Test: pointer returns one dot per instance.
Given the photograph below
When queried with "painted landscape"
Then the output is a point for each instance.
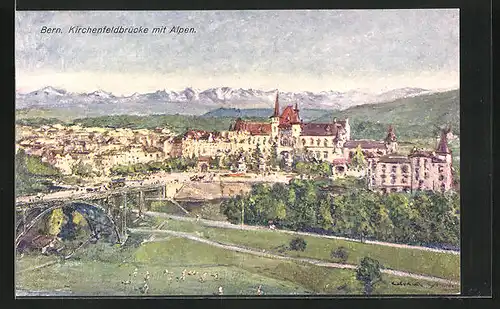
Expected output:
(282, 162)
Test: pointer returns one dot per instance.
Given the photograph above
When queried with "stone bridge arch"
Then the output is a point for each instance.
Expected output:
(99, 222)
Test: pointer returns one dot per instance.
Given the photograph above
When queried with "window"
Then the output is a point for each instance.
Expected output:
(404, 180)
(373, 181)
(312, 141)
(426, 175)
(420, 183)
(303, 141)
(318, 142)
(404, 168)
(393, 180)
(325, 154)
(441, 177)
(325, 143)
(443, 187)
(394, 190)
(406, 190)
(383, 176)
(440, 169)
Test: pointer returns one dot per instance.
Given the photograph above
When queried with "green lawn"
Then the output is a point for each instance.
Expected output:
(100, 271)
(441, 265)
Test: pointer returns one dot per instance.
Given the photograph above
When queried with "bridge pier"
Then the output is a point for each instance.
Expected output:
(124, 218)
(141, 202)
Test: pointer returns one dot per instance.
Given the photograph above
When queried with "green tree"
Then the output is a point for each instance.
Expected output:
(257, 157)
(358, 160)
(298, 244)
(274, 160)
(81, 169)
(215, 163)
(325, 219)
(368, 273)
(402, 216)
(340, 254)
(55, 222)
(324, 169)
(279, 211)
(35, 166)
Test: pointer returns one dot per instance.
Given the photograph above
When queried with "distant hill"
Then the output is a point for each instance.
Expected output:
(197, 102)
(413, 117)
(306, 114)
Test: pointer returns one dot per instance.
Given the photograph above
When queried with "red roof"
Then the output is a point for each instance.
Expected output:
(289, 116)
(320, 129)
(254, 128)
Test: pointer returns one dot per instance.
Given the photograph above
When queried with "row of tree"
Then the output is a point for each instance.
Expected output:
(419, 218)
(32, 175)
(168, 165)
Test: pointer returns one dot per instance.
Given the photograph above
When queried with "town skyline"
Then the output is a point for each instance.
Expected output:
(287, 50)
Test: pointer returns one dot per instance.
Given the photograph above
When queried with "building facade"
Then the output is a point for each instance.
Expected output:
(419, 171)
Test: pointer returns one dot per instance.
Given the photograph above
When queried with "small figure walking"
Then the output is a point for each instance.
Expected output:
(259, 290)
(145, 288)
(197, 217)
(221, 291)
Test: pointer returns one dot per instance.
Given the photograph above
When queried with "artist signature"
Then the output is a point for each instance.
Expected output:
(429, 285)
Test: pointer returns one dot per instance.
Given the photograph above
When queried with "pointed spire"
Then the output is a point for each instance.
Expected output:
(277, 105)
(296, 107)
(443, 142)
(391, 136)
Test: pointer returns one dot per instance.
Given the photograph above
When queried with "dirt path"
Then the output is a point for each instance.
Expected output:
(275, 256)
(223, 224)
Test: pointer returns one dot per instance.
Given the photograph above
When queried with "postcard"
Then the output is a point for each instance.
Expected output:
(250, 153)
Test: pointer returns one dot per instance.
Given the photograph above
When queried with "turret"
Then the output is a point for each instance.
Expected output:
(391, 140)
(275, 118)
(296, 122)
(442, 149)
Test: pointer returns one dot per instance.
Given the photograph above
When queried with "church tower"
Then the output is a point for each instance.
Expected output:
(296, 123)
(443, 150)
(391, 140)
(275, 118)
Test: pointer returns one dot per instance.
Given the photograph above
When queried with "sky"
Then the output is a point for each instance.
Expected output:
(339, 50)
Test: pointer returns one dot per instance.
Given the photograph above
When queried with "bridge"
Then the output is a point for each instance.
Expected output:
(107, 213)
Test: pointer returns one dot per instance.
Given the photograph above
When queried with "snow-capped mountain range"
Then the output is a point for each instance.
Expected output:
(194, 101)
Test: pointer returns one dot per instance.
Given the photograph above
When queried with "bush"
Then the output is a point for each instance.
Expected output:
(340, 254)
(298, 244)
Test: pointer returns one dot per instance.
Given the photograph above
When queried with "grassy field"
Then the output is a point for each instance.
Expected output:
(441, 265)
(102, 268)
